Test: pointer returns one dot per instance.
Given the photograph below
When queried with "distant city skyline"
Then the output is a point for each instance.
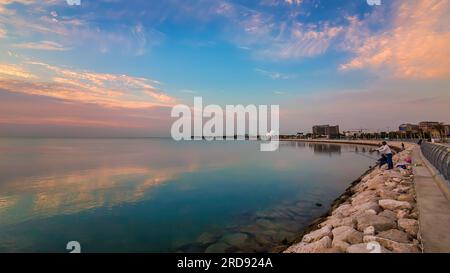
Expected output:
(116, 68)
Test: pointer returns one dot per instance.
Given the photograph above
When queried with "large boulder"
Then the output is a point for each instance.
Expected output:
(395, 235)
(317, 234)
(343, 210)
(361, 208)
(364, 197)
(394, 204)
(341, 245)
(315, 247)
(344, 236)
(388, 214)
(380, 223)
(387, 194)
(410, 226)
(402, 214)
(338, 222)
(367, 248)
(347, 234)
(393, 245)
(406, 197)
(375, 183)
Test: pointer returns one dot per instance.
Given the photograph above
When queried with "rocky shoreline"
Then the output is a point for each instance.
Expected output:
(377, 213)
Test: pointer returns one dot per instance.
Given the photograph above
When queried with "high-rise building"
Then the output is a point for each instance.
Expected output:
(326, 130)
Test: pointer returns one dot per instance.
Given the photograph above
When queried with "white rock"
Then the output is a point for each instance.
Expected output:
(315, 247)
(369, 230)
(371, 211)
(392, 245)
(402, 214)
(394, 204)
(367, 248)
(317, 235)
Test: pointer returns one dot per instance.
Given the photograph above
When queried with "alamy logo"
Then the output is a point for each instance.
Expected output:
(73, 2)
(374, 2)
(188, 126)
(74, 247)
(373, 247)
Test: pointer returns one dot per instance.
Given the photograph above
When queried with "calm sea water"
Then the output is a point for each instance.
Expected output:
(157, 195)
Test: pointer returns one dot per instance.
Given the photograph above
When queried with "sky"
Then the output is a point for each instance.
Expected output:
(116, 67)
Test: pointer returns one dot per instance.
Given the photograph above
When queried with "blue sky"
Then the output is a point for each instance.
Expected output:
(323, 61)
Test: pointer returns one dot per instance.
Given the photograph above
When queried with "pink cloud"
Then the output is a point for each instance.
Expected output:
(3, 31)
(15, 71)
(108, 90)
(416, 46)
(43, 45)
(28, 114)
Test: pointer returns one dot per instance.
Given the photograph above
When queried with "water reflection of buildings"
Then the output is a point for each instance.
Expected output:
(318, 148)
(327, 149)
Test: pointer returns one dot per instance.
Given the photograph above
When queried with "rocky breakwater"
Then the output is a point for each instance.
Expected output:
(378, 214)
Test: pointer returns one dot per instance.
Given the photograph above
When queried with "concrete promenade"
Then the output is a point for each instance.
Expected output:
(433, 205)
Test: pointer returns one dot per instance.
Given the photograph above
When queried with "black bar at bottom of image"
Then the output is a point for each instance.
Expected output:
(215, 262)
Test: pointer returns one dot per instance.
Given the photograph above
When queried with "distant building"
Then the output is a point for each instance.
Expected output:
(408, 127)
(428, 126)
(447, 130)
(326, 131)
(433, 129)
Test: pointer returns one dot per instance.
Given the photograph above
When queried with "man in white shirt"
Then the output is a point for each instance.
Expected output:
(385, 150)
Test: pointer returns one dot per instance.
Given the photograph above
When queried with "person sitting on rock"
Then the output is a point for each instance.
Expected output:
(385, 150)
(381, 161)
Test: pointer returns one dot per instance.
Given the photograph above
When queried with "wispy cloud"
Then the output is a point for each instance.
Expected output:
(188, 91)
(15, 71)
(300, 41)
(416, 46)
(275, 75)
(109, 90)
(4, 3)
(3, 31)
(72, 31)
(43, 45)
(270, 37)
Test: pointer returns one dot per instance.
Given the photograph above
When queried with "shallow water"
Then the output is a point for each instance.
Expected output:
(157, 195)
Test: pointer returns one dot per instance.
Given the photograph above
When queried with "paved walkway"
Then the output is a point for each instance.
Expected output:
(433, 205)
